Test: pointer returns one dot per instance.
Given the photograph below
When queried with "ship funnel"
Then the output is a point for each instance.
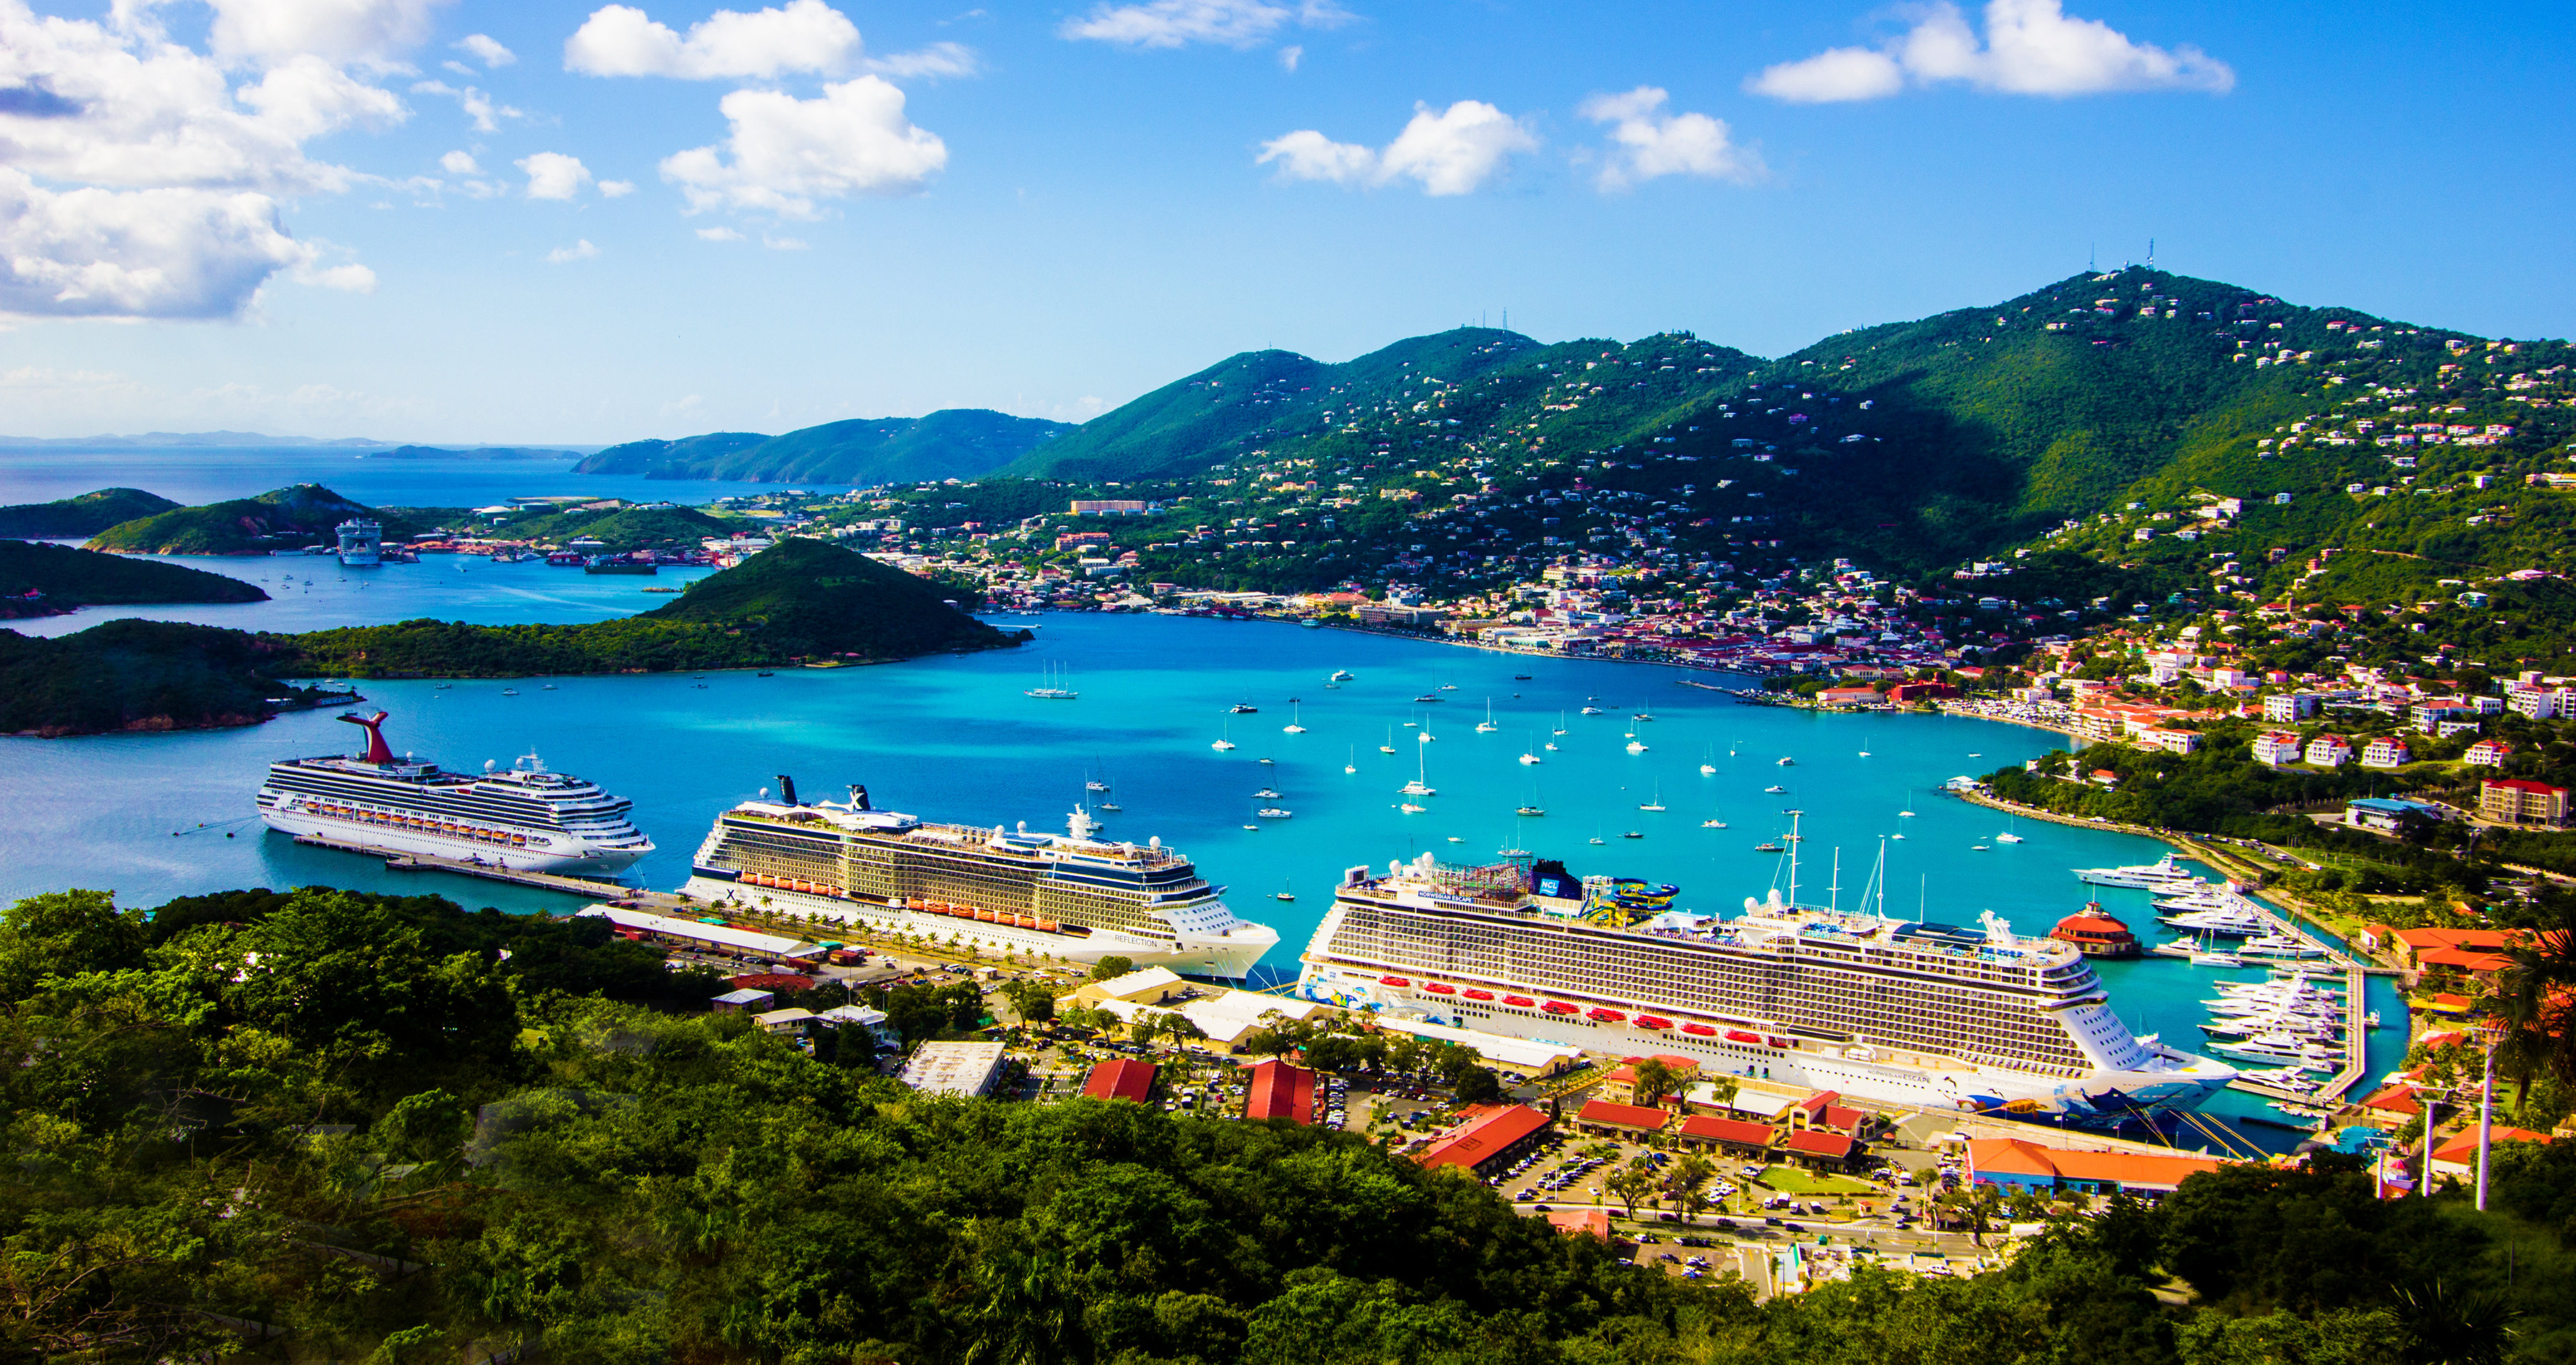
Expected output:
(374, 726)
(858, 797)
(787, 788)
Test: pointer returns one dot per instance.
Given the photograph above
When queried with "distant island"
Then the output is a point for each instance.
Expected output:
(85, 515)
(801, 602)
(470, 453)
(955, 443)
(219, 440)
(50, 580)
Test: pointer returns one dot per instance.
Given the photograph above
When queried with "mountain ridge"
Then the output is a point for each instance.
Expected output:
(950, 443)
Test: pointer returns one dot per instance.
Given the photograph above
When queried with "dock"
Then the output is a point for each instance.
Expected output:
(586, 887)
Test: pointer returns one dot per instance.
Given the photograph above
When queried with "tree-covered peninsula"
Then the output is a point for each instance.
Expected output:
(48, 580)
(85, 515)
(280, 519)
(802, 602)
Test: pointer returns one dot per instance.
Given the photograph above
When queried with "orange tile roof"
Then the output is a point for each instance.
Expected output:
(2135, 1170)
(1279, 1090)
(1593, 1221)
(2395, 1099)
(2465, 1146)
(1616, 1115)
(1815, 1142)
(1484, 1134)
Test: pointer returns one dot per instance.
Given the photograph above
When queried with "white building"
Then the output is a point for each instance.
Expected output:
(2276, 747)
(940, 1068)
(2289, 708)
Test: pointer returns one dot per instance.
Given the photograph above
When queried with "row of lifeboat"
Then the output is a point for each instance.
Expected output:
(793, 884)
(421, 825)
(1652, 1023)
(983, 916)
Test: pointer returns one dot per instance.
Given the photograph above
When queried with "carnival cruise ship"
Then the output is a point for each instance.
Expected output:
(1893, 1011)
(524, 816)
(1074, 896)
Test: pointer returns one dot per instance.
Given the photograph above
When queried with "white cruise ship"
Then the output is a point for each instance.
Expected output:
(1891, 1011)
(1074, 895)
(361, 543)
(522, 817)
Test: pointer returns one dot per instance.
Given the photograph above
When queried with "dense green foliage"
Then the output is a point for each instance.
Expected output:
(140, 675)
(282, 518)
(350, 1126)
(952, 443)
(800, 600)
(623, 529)
(84, 515)
(86, 578)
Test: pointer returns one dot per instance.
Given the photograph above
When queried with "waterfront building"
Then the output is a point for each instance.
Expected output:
(2011, 1164)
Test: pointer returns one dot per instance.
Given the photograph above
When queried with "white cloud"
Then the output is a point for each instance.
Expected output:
(144, 177)
(1647, 142)
(477, 105)
(782, 243)
(167, 253)
(805, 35)
(553, 175)
(1451, 152)
(2031, 47)
(616, 189)
(581, 250)
(1290, 56)
(1178, 23)
(459, 163)
(784, 153)
(366, 32)
(354, 279)
(718, 234)
(488, 51)
(933, 62)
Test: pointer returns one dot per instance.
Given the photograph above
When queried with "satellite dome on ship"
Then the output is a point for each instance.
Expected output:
(2096, 932)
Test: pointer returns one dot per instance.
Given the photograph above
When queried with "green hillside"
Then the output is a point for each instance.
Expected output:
(281, 519)
(954, 443)
(140, 675)
(85, 515)
(623, 529)
(801, 601)
(86, 578)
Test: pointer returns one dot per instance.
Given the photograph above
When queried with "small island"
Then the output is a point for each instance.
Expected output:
(802, 602)
(85, 515)
(288, 518)
(51, 580)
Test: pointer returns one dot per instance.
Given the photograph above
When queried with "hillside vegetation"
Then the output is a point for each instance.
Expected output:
(84, 578)
(952, 443)
(142, 675)
(85, 515)
(280, 519)
(623, 529)
(411, 1134)
(802, 600)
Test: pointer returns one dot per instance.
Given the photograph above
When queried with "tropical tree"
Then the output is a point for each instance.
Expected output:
(1632, 1182)
(2533, 1002)
(1654, 1080)
(1112, 965)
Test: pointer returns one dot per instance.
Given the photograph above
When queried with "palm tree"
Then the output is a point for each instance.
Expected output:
(2533, 1003)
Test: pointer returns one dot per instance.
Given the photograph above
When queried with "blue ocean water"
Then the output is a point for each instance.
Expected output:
(956, 739)
(196, 475)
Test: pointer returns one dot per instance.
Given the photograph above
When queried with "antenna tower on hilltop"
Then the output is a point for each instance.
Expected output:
(2151, 253)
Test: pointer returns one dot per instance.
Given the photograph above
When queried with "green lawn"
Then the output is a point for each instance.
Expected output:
(1791, 1180)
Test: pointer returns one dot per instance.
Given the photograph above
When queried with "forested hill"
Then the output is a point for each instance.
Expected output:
(280, 519)
(1912, 445)
(958, 443)
(85, 515)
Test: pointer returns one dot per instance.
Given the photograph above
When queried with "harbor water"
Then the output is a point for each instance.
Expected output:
(957, 738)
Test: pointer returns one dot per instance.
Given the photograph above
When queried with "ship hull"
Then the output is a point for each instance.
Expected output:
(1229, 957)
(572, 857)
(2102, 1098)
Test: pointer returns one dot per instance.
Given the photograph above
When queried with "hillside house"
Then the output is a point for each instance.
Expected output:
(2520, 801)
(2276, 747)
(2329, 751)
(2387, 751)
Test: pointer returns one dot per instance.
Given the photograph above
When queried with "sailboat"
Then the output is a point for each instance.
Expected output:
(1421, 783)
(1530, 756)
(1293, 727)
(1658, 803)
(1635, 745)
(1909, 800)
(1560, 726)
(1488, 726)
(1051, 685)
(1426, 736)
(1708, 761)
(1389, 746)
(1285, 892)
(2008, 837)
(1351, 764)
(1712, 823)
(1224, 742)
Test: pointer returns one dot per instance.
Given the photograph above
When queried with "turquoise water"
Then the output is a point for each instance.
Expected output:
(196, 476)
(956, 739)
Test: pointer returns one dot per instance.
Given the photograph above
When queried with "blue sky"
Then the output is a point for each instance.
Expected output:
(528, 222)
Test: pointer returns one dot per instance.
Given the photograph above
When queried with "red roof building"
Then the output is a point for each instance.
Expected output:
(785, 983)
(1816, 1147)
(2396, 1099)
(2013, 1163)
(1741, 1136)
(1617, 1119)
(2096, 932)
(2459, 1155)
(1582, 1222)
(1124, 1078)
(1820, 1110)
(1489, 1138)
(1280, 1090)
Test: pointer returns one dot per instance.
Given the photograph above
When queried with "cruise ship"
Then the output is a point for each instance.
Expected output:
(1886, 1010)
(523, 817)
(361, 543)
(1074, 896)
